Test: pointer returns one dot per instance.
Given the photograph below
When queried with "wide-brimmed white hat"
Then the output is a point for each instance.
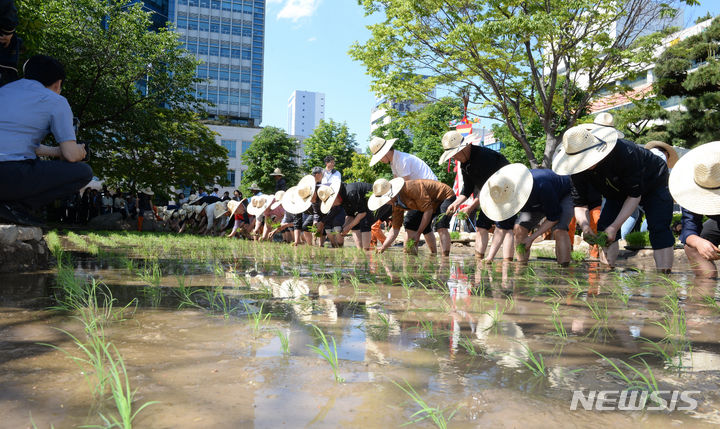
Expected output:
(672, 153)
(232, 206)
(582, 148)
(299, 198)
(182, 214)
(379, 147)
(695, 180)
(220, 209)
(199, 209)
(506, 192)
(604, 119)
(148, 191)
(278, 200)
(327, 195)
(259, 204)
(277, 172)
(383, 191)
(254, 187)
(452, 143)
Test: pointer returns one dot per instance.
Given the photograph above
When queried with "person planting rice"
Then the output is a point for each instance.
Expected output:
(285, 223)
(535, 195)
(695, 185)
(405, 165)
(298, 201)
(237, 211)
(627, 175)
(260, 208)
(428, 196)
(353, 198)
(477, 164)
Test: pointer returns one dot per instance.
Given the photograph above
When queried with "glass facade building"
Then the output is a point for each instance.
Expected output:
(228, 36)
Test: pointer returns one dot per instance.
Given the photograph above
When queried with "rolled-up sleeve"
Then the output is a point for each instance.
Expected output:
(691, 224)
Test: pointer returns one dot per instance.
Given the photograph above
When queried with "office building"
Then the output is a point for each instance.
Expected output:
(228, 37)
(379, 114)
(236, 140)
(305, 110)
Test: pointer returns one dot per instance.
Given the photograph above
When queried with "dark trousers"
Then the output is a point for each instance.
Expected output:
(35, 183)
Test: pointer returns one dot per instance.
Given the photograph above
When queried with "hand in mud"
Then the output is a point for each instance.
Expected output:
(707, 250)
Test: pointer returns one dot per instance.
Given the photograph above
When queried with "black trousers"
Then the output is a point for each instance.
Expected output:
(35, 183)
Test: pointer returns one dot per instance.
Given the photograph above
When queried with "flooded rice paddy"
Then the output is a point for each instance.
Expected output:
(217, 333)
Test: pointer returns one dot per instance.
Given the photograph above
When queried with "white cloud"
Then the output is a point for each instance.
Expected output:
(312, 39)
(296, 9)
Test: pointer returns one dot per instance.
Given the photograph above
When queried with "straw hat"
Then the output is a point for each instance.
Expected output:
(182, 214)
(259, 204)
(199, 209)
(672, 153)
(452, 143)
(383, 191)
(277, 172)
(254, 187)
(582, 148)
(604, 119)
(299, 198)
(232, 206)
(695, 180)
(220, 209)
(379, 147)
(148, 191)
(506, 192)
(327, 195)
(278, 200)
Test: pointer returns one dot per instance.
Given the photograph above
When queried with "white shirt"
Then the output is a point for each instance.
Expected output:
(410, 167)
(330, 177)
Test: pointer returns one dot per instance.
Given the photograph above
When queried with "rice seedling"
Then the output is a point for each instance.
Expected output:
(185, 294)
(218, 302)
(674, 323)
(535, 363)
(336, 276)
(435, 414)
(426, 326)
(578, 256)
(467, 344)
(256, 319)
(635, 379)
(521, 249)
(601, 239)
(712, 303)
(151, 273)
(671, 352)
(598, 311)
(557, 321)
(496, 315)
(284, 342)
(329, 354)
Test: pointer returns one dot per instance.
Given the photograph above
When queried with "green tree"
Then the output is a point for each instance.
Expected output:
(360, 170)
(270, 149)
(699, 90)
(427, 127)
(507, 54)
(330, 138)
(181, 150)
(132, 90)
(394, 130)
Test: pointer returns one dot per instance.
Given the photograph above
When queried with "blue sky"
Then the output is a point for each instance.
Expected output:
(306, 49)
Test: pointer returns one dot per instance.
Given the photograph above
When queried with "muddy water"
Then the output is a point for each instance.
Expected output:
(455, 330)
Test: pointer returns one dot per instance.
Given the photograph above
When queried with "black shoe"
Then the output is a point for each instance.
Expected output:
(13, 213)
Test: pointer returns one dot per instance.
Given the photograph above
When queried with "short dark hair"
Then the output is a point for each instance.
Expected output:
(44, 69)
(329, 158)
(215, 189)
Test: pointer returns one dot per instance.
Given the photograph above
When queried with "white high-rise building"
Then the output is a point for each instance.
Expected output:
(305, 110)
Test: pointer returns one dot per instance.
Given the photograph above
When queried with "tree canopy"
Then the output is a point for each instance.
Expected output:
(131, 89)
(270, 149)
(687, 71)
(330, 138)
(510, 55)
